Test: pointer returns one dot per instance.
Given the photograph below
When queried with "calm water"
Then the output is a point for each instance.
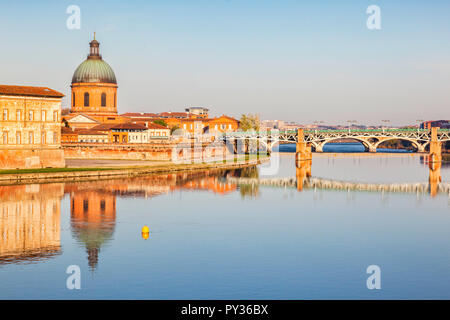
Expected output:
(214, 240)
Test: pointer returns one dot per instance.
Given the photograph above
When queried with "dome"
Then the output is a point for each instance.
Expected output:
(94, 68)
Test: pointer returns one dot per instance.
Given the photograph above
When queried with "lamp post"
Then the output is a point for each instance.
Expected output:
(419, 121)
(350, 124)
(384, 121)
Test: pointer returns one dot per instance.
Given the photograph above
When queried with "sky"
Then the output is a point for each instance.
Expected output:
(300, 61)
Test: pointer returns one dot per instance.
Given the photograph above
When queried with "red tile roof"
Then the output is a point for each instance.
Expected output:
(139, 115)
(129, 126)
(174, 114)
(29, 91)
(155, 126)
(66, 130)
(90, 132)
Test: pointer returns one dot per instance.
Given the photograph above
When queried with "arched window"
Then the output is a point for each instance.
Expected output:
(103, 99)
(73, 99)
(86, 99)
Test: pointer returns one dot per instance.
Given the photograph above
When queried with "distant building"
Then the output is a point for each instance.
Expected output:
(30, 127)
(197, 112)
(187, 122)
(279, 125)
(444, 124)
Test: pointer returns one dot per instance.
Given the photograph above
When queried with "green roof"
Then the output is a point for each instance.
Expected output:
(94, 70)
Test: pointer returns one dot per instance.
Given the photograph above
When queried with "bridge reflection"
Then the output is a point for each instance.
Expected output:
(304, 180)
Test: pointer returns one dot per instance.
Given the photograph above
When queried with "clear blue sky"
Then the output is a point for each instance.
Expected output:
(292, 60)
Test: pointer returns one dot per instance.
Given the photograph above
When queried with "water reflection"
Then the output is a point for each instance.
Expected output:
(30, 214)
(92, 216)
(93, 204)
(30, 222)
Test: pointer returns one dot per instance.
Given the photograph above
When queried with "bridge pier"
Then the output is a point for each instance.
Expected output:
(435, 177)
(319, 147)
(302, 171)
(303, 149)
(435, 147)
(420, 148)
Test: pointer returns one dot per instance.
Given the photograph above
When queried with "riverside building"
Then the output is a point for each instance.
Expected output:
(30, 127)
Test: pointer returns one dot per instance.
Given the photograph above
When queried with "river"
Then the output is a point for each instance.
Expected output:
(211, 239)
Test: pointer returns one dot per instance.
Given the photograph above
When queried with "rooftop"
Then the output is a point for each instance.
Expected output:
(29, 91)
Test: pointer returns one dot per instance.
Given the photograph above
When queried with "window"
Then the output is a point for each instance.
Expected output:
(5, 137)
(73, 99)
(55, 116)
(86, 99)
(5, 114)
(31, 137)
(18, 115)
(229, 126)
(43, 115)
(43, 138)
(103, 99)
(184, 126)
(114, 100)
(55, 137)
(30, 115)
(85, 205)
(18, 140)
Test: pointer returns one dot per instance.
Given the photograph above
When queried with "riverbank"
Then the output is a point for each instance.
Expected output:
(90, 172)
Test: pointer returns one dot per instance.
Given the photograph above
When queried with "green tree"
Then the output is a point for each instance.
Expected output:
(174, 128)
(249, 122)
(160, 122)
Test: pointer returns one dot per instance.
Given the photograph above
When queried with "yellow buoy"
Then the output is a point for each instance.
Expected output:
(145, 232)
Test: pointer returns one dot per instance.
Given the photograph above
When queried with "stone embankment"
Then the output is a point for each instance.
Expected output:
(83, 174)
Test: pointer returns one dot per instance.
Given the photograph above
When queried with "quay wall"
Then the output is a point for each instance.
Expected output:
(151, 151)
(31, 158)
(88, 175)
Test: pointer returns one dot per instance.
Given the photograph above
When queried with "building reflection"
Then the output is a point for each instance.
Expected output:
(92, 217)
(30, 222)
(93, 204)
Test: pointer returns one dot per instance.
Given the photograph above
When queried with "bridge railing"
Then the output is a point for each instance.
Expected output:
(312, 131)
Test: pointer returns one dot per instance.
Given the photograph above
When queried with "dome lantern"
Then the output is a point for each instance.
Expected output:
(94, 68)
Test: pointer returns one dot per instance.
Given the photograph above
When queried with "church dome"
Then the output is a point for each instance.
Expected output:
(94, 68)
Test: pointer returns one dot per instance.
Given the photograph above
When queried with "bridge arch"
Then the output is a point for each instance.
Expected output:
(365, 142)
(419, 147)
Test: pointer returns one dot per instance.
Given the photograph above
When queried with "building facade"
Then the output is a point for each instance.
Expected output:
(30, 127)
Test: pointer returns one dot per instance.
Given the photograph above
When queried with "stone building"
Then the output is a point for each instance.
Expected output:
(30, 127)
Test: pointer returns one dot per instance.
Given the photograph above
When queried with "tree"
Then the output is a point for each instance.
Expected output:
(249, 122)
(160, 122)
(174, 128)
